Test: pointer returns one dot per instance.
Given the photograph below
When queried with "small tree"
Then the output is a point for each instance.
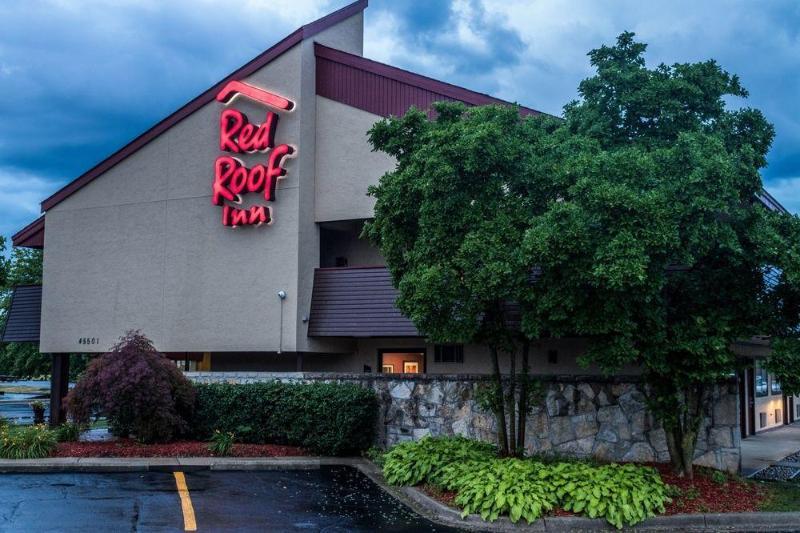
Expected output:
(140, 391)
(449, 219)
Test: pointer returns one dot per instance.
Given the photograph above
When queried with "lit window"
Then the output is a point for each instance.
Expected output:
(775, 386)
(761, 380)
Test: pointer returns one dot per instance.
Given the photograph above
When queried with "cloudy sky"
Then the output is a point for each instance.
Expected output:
(80, 78)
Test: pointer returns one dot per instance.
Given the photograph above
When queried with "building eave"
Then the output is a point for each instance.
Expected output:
(31, 236)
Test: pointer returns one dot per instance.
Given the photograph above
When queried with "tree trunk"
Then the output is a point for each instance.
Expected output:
(512, 403)
(523, 397)
(683, 431)
(502, 432)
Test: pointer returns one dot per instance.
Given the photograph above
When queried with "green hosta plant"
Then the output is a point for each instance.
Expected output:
(512, 487)
(525, 488)
(411, 463)
(622, 494)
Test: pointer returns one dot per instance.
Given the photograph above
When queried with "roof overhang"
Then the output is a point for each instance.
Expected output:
(356, 302)
(31, 236)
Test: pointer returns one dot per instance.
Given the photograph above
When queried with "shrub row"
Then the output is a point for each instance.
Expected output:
(326, 418)
(526, 488)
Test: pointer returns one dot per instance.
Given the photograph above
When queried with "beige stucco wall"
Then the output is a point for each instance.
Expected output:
(476, 358)
(141, 247)
(346, 164)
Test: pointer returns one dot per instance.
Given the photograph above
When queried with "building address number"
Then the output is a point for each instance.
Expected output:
(88, 340)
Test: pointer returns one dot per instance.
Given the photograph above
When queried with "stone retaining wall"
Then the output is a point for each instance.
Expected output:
(583, 416)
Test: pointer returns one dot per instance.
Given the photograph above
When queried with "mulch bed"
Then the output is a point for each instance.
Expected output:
(704, 495)
(700, 495)
(131, 448)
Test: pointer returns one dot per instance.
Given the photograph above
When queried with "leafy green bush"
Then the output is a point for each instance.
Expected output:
(375, 455)
(26, 442)
(411, 463)
(326, 418)
(68, 432)
(622, 494)
(221, 443)
(525, 488)
(514, 487)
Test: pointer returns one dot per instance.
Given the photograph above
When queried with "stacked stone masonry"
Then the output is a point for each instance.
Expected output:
(581, 416)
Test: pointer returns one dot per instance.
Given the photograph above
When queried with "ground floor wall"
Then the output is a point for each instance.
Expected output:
(582, 416)
(557, 356)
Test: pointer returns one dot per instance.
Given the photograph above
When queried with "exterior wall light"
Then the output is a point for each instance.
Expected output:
(282, 296)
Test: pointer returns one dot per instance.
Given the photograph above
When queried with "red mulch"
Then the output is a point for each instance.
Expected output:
(131, 448)
(446, 497)
(700, 495)
(703, 495)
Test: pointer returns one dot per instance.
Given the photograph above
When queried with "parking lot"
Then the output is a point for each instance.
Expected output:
(329, 499)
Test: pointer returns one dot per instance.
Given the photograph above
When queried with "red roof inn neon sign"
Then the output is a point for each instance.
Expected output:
(238, 136)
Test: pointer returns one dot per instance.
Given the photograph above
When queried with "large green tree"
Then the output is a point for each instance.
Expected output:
(449, 220)
(634, 223)
(656, 246)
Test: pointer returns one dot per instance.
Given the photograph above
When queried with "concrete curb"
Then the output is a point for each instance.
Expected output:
(158, 464)
(437, 512)
(412, 498)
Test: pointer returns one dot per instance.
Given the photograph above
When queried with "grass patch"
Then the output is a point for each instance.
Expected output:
(22, 389)
(782, 496)
(100, 423)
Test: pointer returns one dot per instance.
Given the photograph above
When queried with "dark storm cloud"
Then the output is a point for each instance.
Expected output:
(79, 79)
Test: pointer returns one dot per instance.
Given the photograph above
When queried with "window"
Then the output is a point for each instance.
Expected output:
(388, 369)
(410, 367)
(775, 385)
(448, 353)
(552, 357)
(761, 380)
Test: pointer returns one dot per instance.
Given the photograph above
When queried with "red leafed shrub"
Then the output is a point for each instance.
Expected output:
(139, 390)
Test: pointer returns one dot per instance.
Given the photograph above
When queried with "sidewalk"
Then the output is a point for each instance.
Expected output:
(769, 447)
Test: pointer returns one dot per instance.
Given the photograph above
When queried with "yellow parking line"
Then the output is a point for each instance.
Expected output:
(189, 523)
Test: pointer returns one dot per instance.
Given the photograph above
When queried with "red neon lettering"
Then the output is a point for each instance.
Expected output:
(232, 178)
(275, 169)
(237, 135)
(255, 216)
(223, 169)
(259, 95)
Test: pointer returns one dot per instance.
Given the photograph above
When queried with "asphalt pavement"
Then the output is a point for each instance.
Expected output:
(331, 499)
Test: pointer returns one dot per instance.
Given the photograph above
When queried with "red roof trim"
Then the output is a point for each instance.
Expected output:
(31, 236)
(410, 78)
(305, 32)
